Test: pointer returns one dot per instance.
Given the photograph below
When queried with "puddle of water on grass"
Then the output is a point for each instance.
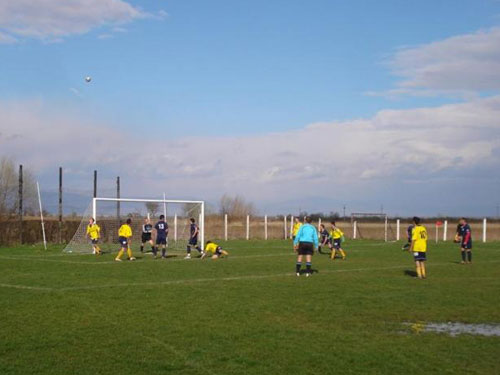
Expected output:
(455, 328)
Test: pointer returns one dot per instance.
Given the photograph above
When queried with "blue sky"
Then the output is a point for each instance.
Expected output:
(229, 72)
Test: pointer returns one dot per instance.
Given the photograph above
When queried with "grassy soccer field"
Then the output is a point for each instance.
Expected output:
(247, 314)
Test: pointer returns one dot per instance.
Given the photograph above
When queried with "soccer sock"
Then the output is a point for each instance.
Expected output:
(129, 252)
(332, 255)
(463, 256)
(469, 256)
(419, 272)
(142, 248)
(343, 253)
(120, 253)
(422, 269)
(155, 250)
(298, 266)
(319, 249)
(163, 252)
(199, 249)
(308, 267)
(188, 249)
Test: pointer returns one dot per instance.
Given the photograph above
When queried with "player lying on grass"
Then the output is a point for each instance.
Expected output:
(465, 241)
(304, 244)
(161, 237)
(337, 238)
(419, 247)
(214, 251)
(125, 239)
(94, 232)
(193, 239)
(147, 230)
(325, 239)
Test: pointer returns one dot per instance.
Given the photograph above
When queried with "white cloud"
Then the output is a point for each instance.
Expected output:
(461, 65)
(333, 158)
(55, 19)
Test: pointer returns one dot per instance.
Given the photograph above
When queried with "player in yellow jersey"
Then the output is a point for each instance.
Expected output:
(94, 232)
(337, 237)
(125, 238)
(419, 247)
(296, 226)
(214, 250)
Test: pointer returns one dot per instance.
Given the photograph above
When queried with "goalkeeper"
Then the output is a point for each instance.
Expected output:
(94, 232)
(337, 237)
(214, 250)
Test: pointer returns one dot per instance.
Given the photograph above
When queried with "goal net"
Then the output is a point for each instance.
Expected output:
(111, 213)
(373, 226)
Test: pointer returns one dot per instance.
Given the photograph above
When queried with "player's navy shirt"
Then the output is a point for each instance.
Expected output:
(193, 229)
(324, 235)
(147, 228)
(466, 234)
(161, 229)
(409, 232)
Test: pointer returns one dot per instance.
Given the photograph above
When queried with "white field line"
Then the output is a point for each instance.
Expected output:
(206, 280)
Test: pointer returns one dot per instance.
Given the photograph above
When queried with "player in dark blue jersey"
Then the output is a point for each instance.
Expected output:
(194, 231)
(161, 228)
(147, 230)
(409, 233)
(465, 241)
(324, 239)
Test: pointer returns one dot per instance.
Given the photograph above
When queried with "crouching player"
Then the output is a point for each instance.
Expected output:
(94, 232)
(325, 239)
(214, 250)
(124, 237)
(419, 247)
(193, 239)
(337, 237)
(304, 243)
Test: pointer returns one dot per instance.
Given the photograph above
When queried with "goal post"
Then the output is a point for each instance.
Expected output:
(368, 225)
(177, 214)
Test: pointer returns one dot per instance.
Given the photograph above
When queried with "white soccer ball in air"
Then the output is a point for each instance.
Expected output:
(88, 79)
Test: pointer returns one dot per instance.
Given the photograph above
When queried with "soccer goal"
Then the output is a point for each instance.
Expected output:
(111, 213)
(374, 226)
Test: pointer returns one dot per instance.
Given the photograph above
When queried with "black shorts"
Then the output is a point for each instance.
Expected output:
(123, 241)
(306, 248)
(218, 251)
(161, 240)
(146, 237)
(420, 256)
(466, 246)
(193, 241)
(336, 243)
(95, 241)
(326, 242)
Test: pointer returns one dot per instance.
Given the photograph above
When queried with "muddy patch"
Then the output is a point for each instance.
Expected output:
(455, 328)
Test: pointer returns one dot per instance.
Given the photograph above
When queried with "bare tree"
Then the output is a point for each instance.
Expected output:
(153, 208)
(236, 206)
(9, 189)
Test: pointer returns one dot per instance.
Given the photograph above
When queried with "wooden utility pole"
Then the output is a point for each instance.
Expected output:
(21, 204)
(60, 204)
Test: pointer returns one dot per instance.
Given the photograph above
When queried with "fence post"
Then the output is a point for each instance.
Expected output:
(385, 229)
(284, 226)
(354, 229)
(225, 227)
(484, 230)
(265, 227)
(445, 230)
(291, 227)
(248, 227)
(398, 224)
(319, 224)
(118, 214)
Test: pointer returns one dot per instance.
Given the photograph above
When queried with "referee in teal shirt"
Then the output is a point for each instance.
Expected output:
(304, 243)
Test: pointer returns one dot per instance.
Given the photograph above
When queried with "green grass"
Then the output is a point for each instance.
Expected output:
(247, 314)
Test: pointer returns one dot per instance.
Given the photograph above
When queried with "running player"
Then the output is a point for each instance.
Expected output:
(94, 232)
(337, 237)
(419, 247)
(305, 242)
(325, 239)
(193, 239)
(465, 241)
(214, 250)
(147, 229)
(161, 236)
(125, 239)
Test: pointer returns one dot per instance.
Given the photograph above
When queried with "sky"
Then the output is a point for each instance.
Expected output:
(293, 105)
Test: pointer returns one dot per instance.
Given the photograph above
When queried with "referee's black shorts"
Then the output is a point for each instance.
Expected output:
(306, 248)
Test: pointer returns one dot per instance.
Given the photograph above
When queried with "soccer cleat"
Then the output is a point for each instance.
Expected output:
(118, 259)
(131, 258)
(298, 273)
(187, 256)
(308, 274)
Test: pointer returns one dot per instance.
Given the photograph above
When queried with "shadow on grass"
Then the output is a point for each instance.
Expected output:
(410, 273)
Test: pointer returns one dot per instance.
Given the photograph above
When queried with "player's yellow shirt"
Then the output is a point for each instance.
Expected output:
(93, 231)
(125, 231)
(211, 248)
(419, 236)
(296, 228)
(336, 233)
